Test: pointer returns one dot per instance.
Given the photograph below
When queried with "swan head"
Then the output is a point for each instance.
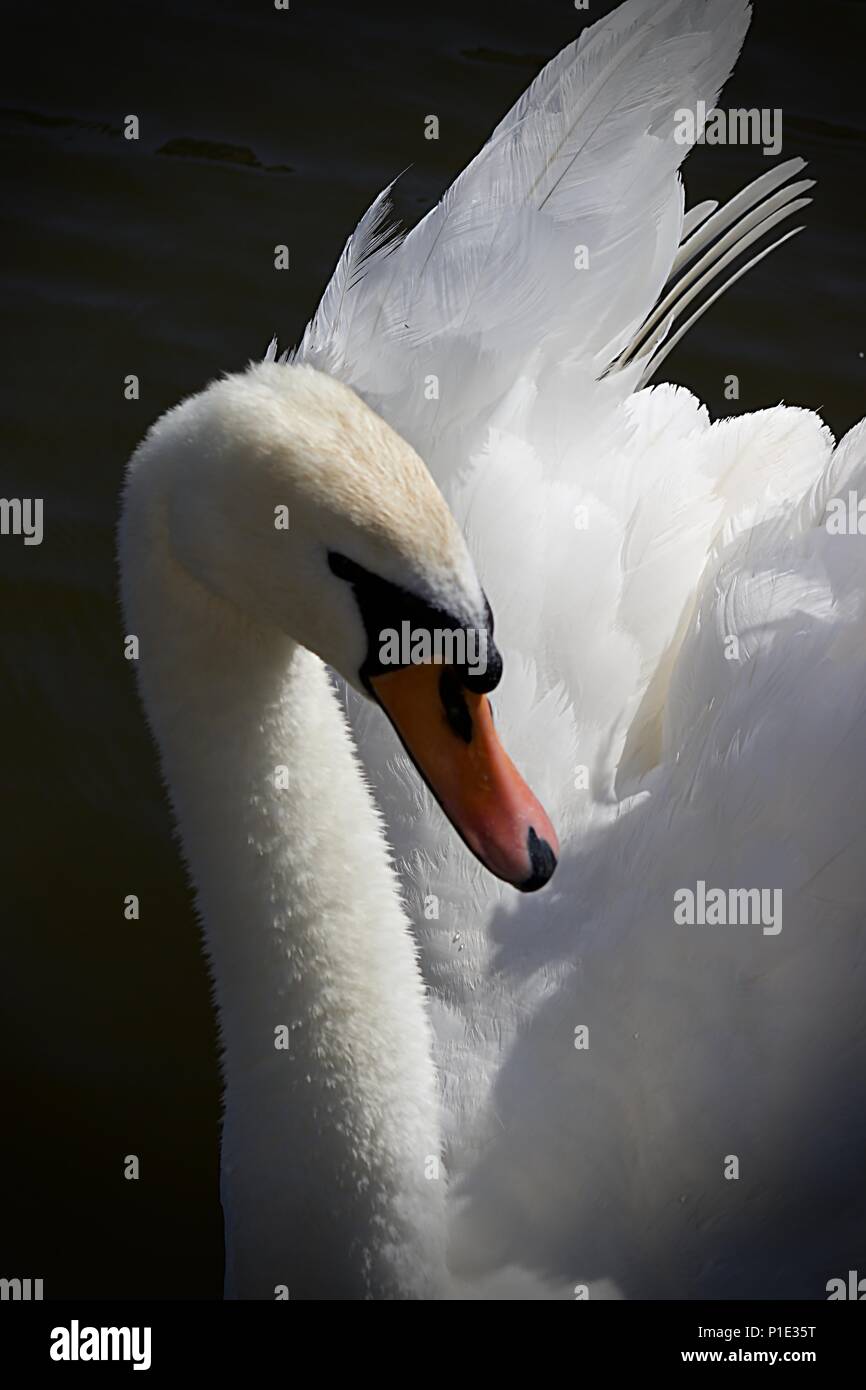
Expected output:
(286, 496)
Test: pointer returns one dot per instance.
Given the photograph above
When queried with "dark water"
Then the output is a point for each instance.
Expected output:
(156, 258)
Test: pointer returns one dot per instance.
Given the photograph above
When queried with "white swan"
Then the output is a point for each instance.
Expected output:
(684, 683)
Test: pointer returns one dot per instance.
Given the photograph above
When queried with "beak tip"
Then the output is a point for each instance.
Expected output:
(542, 860)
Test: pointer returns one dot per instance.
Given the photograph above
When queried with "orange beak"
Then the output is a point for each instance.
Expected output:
(448, 733)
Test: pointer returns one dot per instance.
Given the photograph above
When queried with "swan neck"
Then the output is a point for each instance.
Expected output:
(330, 1156)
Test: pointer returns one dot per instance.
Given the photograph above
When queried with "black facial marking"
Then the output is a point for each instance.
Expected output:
(543, 861)
(482, 683)
(385, 605)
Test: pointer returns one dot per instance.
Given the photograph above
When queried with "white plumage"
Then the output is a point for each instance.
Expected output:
(684, 687)
(699, 767)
